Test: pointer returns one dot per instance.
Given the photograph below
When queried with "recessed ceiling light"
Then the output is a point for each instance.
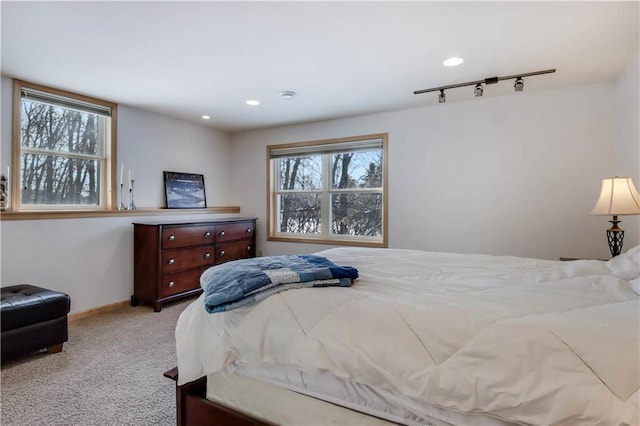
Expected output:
(452, 62)
(205, 117)
(252, 102)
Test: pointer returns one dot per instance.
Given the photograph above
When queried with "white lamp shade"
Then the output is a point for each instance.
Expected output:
(618, 196)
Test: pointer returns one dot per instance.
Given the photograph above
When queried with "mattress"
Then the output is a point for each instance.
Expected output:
(279, 405)
(508, 339)
(363, 404)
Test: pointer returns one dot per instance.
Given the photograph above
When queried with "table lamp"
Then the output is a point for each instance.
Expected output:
(618, 196)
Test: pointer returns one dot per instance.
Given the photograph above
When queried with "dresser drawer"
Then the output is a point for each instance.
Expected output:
(234, 231)
(234, 251)
(177, 260)
(175, 237)
(180, 281)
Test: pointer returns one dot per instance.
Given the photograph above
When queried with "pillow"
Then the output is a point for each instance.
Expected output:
(626, 265)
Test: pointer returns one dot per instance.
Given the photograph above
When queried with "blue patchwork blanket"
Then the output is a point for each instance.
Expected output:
(241, 282)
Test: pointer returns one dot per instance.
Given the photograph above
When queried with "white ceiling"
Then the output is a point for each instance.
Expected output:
(185, 59)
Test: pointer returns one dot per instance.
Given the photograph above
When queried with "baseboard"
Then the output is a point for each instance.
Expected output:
(99, 310)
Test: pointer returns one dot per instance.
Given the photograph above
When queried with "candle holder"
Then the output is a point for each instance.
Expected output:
(132, 205)
(121, 206)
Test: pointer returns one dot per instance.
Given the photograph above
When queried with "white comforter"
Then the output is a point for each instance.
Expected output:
(524, 340)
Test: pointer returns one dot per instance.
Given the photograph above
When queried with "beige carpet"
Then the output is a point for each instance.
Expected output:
(109, 373)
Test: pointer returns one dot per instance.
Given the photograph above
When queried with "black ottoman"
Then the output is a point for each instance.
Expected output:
(32, 318)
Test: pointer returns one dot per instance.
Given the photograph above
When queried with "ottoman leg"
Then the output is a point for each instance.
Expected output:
(55, 348)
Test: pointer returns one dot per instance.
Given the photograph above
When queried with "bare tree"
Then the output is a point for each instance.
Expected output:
(51, 175)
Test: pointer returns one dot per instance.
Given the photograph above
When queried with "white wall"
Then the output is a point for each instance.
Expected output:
(627, 137)
(151, 144)
(513, 175)
(92, 259)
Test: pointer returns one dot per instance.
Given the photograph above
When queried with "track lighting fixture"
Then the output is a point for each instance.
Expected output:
(479, 90)
(519, 85)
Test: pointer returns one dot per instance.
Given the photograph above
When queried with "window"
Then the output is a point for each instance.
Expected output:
(63, 150)
(331, 191)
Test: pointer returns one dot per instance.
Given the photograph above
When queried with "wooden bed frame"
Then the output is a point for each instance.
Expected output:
(194, 409)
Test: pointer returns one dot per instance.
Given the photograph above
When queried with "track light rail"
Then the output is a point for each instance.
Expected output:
(490, 80)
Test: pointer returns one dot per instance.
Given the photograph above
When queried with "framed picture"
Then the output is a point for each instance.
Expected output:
(184, 190)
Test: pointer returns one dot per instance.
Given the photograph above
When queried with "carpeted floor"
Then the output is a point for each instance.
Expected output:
(109, 373)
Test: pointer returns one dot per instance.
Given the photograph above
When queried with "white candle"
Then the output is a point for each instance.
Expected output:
(121, 173)
(129, 179)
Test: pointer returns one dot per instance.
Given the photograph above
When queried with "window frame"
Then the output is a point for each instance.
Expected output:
(108, 197)
(273, 213)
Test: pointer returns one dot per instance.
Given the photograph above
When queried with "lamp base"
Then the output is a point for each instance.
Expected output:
(615, 236)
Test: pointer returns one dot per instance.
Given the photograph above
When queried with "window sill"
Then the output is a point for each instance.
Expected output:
(337, 242)
(39, 215)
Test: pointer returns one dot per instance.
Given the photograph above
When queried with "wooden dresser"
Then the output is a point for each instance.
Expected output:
(169, 257)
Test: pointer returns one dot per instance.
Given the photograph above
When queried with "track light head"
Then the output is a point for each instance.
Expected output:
(519, 85)
(442, 98)
(478, 90)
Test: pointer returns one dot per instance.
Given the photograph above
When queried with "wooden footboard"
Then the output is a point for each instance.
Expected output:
(194, 409)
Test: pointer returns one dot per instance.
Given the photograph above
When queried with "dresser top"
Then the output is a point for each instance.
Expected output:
(196, 222)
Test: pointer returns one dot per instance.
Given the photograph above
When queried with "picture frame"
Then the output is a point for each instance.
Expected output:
(184, 190)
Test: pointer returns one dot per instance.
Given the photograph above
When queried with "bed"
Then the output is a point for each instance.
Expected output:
(424, 338)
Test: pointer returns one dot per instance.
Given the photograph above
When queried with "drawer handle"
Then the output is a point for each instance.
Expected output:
(207, 234)
(171, 237)
(249, 230)
(221, 252)
(171, 261)
(248, 248)
(171, 284)
(207, 255)
(221, 234)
